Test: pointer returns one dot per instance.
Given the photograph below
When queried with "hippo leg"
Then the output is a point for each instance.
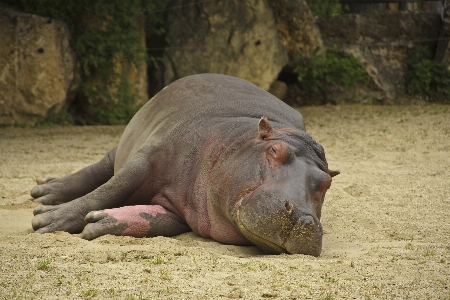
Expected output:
(137, 221)
(70, 216)
(52, 191)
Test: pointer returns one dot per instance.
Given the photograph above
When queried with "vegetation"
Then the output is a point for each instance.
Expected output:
(43, 265)
(324, 72)
(427, 77)
(158, 260)
(104, 34)
(61, 119)
(325, 8)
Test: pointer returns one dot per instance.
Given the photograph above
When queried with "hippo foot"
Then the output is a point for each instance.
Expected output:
(53, 191)
(136, 221)
(64, 217)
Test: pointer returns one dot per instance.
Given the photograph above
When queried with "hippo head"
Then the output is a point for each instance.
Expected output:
(279, 209)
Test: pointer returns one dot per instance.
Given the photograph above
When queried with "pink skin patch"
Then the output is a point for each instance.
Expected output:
(130, 215)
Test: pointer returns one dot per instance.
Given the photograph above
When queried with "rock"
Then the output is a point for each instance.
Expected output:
(232, 37)
(278, 89)
(297, 28)
(125, 74)
(383, 42)
(137, 74)
(37, 67)
(294, 95)
(365, 7)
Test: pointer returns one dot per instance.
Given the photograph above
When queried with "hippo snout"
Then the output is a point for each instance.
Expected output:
(306, 220)
(305, 237)
(282, 228)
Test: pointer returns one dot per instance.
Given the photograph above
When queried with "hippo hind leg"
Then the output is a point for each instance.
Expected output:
(136, 221)
(115, 192)
(53, 191)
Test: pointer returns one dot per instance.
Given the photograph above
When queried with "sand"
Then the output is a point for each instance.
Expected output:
(386, 220)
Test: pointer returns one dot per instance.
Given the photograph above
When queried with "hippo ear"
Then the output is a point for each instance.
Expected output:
(264, 128)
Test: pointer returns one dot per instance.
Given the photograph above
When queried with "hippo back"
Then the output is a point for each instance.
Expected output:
(202, 98)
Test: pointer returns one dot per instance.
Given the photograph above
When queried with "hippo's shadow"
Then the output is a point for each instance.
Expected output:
(190, 239)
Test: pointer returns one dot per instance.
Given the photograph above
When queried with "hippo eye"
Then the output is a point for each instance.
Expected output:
(274, 152)
(278, 152)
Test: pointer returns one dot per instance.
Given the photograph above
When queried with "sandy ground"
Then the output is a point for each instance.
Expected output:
(386, 221)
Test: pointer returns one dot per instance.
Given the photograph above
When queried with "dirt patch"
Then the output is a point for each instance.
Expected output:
(386, 221)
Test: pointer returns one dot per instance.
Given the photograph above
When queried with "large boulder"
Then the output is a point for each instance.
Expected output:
(382, 42)
(37, 67)
(233, 37)
(297, 29)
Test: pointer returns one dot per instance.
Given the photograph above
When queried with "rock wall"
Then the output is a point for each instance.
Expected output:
(297, 28)
(137, 73)
(251, 39)
(383, 43)
(443, 46)
(234, 37)
(133, 74)
(37, 67)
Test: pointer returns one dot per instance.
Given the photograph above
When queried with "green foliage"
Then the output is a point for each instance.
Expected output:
(325, 8)
(336, 68)
(158, 260)
(43, 265)
(111, 107)
(103, 32)
(427, 77)
(90, 293)
(53, 119)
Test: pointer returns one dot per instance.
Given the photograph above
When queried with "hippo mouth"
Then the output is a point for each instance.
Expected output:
(302, 236)
(261, 242)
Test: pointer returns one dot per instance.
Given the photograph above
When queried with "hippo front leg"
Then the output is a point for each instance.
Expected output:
(70, 216)
(53, 191)
(136, 221)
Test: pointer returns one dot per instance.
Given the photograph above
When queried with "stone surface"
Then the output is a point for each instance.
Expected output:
(365, 7)
(278, 89)
(137, 74)
(232, 37)
(125, 72)
(383, 43)
(37, 67)
(443, 46)
(297, 28)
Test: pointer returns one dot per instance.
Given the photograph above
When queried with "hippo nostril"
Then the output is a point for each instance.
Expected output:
(307, 221)
(288, 207)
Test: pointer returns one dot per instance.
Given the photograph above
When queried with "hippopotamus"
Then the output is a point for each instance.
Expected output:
(210, 153)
